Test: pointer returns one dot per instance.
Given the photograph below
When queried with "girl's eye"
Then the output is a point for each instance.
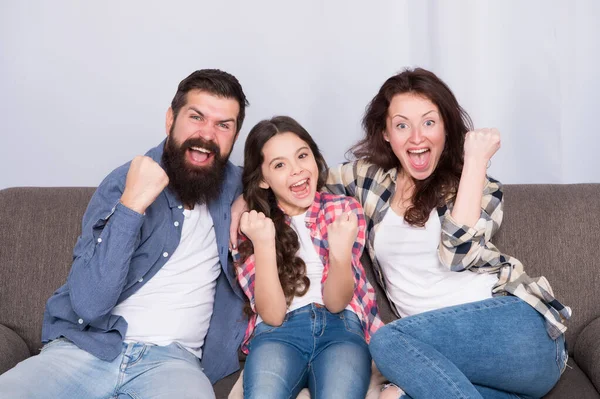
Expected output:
(303, 155)
(278, 165)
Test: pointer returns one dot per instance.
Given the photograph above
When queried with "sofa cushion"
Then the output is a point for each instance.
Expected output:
(573, 384)
(12, 349)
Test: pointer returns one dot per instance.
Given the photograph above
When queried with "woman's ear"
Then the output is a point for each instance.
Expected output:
(386, 136)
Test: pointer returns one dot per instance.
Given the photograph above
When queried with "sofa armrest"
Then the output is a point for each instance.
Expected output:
(587, 351)
(12, 349)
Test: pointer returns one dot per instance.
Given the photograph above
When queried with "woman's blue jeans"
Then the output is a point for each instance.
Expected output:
(496, 348)
(313, 348)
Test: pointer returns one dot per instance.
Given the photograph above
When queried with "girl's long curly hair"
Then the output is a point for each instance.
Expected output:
(435, 190)
(291, 268)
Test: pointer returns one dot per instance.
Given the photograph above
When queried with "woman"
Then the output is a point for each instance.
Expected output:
(312, 309)
(472, 324)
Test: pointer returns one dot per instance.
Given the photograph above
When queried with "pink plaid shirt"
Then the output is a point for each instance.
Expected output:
(325, 208)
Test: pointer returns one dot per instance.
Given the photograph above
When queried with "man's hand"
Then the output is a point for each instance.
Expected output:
(145, 181)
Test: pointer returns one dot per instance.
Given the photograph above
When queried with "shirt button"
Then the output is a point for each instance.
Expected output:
(80, 321)
(99, 240)
(176, 224)
(180, 206)
(140, 280)
(165, 254)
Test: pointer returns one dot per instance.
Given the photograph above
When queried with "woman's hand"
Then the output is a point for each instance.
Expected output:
(481, 145)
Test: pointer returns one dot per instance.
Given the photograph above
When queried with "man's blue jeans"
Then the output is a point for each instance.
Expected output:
(325, 351)
(496, 348)
(62, 370)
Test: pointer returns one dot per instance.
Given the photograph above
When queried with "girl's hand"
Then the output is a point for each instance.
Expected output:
(258, 228)
(341, 235)
(481, 145)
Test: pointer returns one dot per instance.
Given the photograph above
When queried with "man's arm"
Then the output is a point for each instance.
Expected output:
(110, 235)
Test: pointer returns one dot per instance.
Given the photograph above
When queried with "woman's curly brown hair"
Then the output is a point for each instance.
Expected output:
(291, 268)
(435, 190)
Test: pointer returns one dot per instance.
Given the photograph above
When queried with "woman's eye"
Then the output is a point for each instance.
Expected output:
(429, 123)
(402, 126)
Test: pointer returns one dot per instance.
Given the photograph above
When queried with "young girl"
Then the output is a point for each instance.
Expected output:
(312, 309)
(472, 324)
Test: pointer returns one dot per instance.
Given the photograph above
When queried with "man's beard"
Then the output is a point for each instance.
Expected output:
(193, 184)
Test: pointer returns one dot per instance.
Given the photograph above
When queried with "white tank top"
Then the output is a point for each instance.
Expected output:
(416, 280)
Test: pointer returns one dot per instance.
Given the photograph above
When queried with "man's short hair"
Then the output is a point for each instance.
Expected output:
(215, 82)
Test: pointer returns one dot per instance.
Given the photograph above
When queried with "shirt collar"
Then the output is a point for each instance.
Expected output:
(313, 211)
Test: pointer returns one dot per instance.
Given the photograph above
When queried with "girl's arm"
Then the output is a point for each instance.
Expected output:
(346, 239)
(260, 269)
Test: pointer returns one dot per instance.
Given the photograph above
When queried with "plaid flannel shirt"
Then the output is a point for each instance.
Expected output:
(325, 208)
(461, 247)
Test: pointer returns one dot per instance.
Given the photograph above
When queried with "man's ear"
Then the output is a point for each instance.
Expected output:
(263, 184)
(169, 120)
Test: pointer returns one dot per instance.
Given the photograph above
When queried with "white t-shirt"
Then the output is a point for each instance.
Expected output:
(177, 303)
(314, 266)
(416, 280)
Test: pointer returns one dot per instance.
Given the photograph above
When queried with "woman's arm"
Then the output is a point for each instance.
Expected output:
(476, 214)
(341, 179)
(480, 146)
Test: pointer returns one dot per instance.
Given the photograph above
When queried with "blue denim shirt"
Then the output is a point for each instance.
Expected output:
(120, 250)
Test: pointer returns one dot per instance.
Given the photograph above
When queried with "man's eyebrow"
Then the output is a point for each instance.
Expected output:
(201, 114)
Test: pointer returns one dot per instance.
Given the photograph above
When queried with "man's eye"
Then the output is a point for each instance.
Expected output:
(196, 117)
(223, 126)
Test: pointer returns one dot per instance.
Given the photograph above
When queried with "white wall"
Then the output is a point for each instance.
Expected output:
(84, 86)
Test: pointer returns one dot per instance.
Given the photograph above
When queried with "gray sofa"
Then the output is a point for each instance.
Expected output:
(553, 229)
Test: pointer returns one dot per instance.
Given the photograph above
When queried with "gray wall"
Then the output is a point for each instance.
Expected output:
(84, 86)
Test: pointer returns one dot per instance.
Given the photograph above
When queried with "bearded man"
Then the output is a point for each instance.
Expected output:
(151, 307)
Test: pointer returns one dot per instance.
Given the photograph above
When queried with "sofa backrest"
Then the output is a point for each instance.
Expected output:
(38, 229)
(553, 229)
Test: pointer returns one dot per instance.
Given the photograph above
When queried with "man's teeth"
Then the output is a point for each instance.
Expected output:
(420, 151)
(200, 149)
(301, 182)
